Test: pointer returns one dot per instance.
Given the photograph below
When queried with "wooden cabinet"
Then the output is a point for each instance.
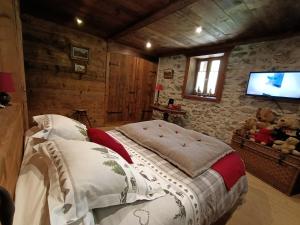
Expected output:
(131, 82)
(268, 164)
(11, 145)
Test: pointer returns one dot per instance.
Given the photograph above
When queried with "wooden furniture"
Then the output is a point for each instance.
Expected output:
(11, 145)
(131, 84)
(82, 116)
(280, 171)
(11, 50)
(166, 111)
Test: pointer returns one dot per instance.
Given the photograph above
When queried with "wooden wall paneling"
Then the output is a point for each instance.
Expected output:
(133, 78)
(44, 98)
(150, 89)
(116, 96)
(146, 89)
(11, 145)
(126, 75)
(11, 50)
(52, 84)
(139, 70)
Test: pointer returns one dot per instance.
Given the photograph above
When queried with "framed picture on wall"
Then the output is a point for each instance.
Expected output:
(79, 68)
(168, 74)
(80, 53)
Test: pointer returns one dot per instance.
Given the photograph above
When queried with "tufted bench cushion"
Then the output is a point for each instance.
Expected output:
(189, 150)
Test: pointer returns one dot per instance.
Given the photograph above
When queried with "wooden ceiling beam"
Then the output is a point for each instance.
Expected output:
(174, 6)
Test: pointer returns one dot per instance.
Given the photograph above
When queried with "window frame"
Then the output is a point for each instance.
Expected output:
(221, 76)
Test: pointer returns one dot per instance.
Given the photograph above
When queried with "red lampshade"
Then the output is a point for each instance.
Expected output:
(6, 82)
(159, 87)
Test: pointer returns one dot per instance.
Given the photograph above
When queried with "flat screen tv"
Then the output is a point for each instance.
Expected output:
(274, 84)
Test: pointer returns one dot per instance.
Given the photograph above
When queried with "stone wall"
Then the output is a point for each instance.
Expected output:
(52, 84)
(220, 119)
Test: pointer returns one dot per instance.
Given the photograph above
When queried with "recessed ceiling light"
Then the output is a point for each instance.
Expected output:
(148, 44)
(78, 21)
(198, 30)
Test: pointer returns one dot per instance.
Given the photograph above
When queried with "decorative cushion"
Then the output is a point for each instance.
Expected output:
(191, 151)
(53, 126)
(84, 175)
(102, 138)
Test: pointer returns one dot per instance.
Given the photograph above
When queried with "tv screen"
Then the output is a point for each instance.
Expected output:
(274, 84)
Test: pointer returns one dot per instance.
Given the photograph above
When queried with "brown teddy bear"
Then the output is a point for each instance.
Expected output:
(288, 146)
(248, 128)
(265, 117)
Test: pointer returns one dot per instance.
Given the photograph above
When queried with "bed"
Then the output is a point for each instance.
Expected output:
(203, 199)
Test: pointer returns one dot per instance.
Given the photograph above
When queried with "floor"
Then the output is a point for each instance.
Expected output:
(263, 205)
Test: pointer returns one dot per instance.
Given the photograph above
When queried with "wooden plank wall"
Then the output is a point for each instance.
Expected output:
(11, 49)
(13, 118)
(52, 84)
(11, 145)
(123, 74)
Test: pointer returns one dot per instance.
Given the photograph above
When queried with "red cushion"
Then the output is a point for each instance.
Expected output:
(102, 138)
(231, 168)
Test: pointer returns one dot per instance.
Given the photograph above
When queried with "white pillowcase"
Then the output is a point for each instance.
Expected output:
(53, 126)
(85, 175)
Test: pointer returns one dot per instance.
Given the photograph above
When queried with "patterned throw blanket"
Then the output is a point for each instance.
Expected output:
(198, 201)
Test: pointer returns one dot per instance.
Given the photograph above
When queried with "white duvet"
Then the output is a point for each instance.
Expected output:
(201, 200)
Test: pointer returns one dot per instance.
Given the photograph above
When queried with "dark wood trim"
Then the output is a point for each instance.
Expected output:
(115, 47)
(186, 74)
(196, 73)
(201, 98)
(220, 82)
(174, 6)
(222, 74)
(107, 73)
(207, 75)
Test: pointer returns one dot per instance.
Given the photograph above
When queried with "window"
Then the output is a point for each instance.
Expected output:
(205, 76)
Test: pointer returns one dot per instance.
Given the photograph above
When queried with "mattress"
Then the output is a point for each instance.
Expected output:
(201, 200)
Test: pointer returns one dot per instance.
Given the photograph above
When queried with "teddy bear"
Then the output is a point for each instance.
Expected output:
(265, 117)
(248, 128)
(288, 146)
(263, 137)
(289, 124)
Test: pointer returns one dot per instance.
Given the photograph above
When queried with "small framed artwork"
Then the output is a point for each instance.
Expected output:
(168, 74)
(79, 68)
(80, 53)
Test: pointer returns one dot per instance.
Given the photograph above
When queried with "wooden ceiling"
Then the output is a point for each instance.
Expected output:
(170, 24)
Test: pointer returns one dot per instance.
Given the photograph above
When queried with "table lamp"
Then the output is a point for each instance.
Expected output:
(6, 85)
(158, 88)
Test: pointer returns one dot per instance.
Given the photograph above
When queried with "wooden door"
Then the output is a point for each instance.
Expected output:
(120, 87)
(131, 82)
(146, 89)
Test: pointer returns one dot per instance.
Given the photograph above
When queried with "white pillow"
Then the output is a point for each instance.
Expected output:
(85, 175)
(53, 126)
